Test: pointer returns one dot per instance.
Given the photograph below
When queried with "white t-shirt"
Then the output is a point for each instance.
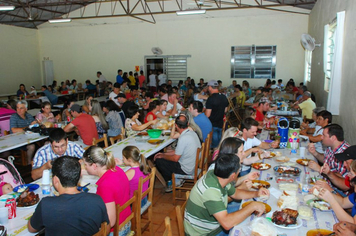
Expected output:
(112, 96)
(162, 79)
(102, 79)
(170, 106)
(152, 80)
(318, 145)
(251, 142)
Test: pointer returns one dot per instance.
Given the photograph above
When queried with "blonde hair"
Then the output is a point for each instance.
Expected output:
(99, 156)
(97, 111)
(230, 132)
(353, 166)
(133, 153)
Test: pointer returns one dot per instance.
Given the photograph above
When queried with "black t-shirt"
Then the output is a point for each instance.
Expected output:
(70, 214)
(125, 106)
(217, 102)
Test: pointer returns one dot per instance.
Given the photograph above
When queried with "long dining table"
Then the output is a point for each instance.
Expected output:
(318, 220)
(19, 139)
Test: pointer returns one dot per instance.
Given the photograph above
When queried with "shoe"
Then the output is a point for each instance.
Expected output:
(169, 189)
(179, 183)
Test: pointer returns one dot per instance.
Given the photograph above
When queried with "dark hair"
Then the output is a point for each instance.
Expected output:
(44, 104)
(111, 106)
(66, 103)
(226, 164)
(238, 87)
(304, 88)
(153, 105)
(132, 152)
(149, 95)
(130, 73)
(248, 123)
(118, 71)
(230, 145)
(335, 129)
(198, 105)
(249, 111)
(22, 85)
(73, 81)
(141, 72)
(171, 93)
(99, 72)
(12, 103)
(132, 110)
(67, 169)
(326, 115)
(56, 135)
(182, 122)
(87, 81)
(44, 86)
(280, 80)
(162, 101)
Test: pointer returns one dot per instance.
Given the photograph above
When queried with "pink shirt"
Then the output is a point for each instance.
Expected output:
(134, 181)
(113, 186)
(40, 116)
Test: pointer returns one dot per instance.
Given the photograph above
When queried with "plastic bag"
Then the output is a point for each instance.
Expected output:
(262, 227)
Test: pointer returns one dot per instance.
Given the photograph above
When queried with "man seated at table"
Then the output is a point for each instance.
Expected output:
(182, 159)
(173, 106)
(196, 108)
(124, 103)
(333, 170)
(263, 106)
(206, 210)
(58, 146)
(21, 120)
(84, 126)
(72, 212)
(51, 97)
(307, 106)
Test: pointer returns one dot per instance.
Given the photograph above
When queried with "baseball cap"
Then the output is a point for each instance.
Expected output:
(213, 83)
(348, 154)
(264, 100)
(120, 95)
(75, 107)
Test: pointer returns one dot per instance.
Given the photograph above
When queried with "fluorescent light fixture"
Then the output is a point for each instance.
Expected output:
(65, 20)
(7, 8)
(190, 12)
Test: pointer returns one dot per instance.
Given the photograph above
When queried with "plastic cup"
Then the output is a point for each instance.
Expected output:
(302, 152)
(45, 177)
(4, 215)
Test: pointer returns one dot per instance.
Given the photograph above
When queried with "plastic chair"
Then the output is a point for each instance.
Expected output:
(180, 215)
(131, 217)
(103, 139)
(102, 231)
(167, 223)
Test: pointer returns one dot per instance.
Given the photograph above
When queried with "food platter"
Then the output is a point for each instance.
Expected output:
(303, 162)
(268, 207)
(296, 226)
(318, 232)
(155, 141)
(282, 159)
(257, 184)
(261, 166)
(286, 171)
(142, 134)
(319, 205)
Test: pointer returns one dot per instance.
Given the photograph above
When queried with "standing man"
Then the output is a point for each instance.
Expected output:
(216, 107)
(84, 126)
(114, 93)
(196, 108)
(102, 78)
(119, 78)
(72, 212)
(182, 159)
(58, 146)
(152, 81)
(162, 78)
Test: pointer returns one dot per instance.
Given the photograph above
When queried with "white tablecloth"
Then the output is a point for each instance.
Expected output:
(20, 139)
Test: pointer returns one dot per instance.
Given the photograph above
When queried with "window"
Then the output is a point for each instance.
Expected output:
(253, 62)
(307, 69)
(329, 54)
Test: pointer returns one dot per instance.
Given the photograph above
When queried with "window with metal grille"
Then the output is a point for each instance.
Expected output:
(329, 54)
(257, 62)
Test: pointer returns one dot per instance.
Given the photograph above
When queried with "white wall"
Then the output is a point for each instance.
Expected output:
(19, 60)
(80, 49)
(323, 13)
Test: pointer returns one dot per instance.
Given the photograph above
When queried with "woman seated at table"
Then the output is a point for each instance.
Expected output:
(46, 115)
(86, 108)
(337, 202)
(113, 118)
(148, 99)
(113, 185)
(307, 127)
(152, 110)
(200, 94)
(132, 124)
(97, 114)
(192, 126)
(161, 113)
(68, 103)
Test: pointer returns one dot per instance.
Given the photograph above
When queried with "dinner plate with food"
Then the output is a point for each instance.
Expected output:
(319, 232)
(282, 159)
(286, 219)
(257, 184)
(303, 162)
(261, 166)
(319, 204)
(268, 207)
(27, 199)
(287, 171)
(142, 134)
(155, 141)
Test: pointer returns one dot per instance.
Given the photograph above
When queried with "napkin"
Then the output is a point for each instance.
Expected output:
(275, 192)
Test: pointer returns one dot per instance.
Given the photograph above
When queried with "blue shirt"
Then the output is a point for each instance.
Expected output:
(352, 200)
(119, 79)
(16, 121)
(51, 97)
(204, 123)
(45, 154)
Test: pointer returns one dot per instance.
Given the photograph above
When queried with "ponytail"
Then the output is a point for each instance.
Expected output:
(144, 167)
(99, 156)
(132, 152)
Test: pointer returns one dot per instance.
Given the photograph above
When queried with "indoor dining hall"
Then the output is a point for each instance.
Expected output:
(174, 118)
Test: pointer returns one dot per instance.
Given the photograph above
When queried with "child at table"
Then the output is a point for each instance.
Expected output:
(139, 168)
(5, 188)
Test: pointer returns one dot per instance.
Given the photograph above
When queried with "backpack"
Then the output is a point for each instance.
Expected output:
(8, 173)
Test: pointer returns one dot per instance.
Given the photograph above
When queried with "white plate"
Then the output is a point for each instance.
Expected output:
(304, 137)
(311, 204)
(299, 224)
(28, 207)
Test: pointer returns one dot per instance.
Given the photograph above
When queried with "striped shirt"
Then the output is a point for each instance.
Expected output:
(45, 154)
(17, 121)
(206, 198)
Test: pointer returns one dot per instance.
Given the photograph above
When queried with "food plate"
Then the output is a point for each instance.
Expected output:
(31, 187)
(286, 171)
(296, 226)
(261, 166)
(303, 162)
(142, 139)
(155, 141)
(318, 232)
(268, 207)
(282, 159)
(319, 205)
(142, 134)
(27, 207)
(257, 184)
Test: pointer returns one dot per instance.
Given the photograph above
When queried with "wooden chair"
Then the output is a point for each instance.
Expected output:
(148, 206)
(20, 155)
(208, 153)
(131, 202)
(232, 115)
(168, 231)
(119, 137)
(224, 127)
(102, 231)
(180, 215)
(81, 96)
(190, 180)
(103, 139)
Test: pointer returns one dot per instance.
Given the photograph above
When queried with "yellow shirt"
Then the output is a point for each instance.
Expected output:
(240, 100)
(132, 80)
(307, 108)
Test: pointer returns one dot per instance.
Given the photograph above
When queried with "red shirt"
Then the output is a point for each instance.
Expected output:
(259, 115)
(86, 127)
(150, 113)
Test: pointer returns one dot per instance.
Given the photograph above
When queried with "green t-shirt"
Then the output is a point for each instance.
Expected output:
(206, 198)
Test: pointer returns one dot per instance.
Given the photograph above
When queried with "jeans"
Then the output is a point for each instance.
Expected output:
(124, 230)
(216, 137)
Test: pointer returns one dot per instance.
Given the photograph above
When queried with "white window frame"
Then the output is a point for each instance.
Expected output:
(307, 66)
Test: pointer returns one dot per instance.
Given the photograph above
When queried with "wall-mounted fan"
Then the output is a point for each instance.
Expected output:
(308, 42)
(156, 51)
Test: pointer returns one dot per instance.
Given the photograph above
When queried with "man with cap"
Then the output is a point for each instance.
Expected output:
(333, 170)
(307, 106)
(262, 107)
(216, 107)
(84, 126)
(124, 103)
(114, 93)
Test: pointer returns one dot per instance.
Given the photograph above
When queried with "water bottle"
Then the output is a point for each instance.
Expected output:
(169, 183)
(305, 183)
(46, 185)
(294, 146)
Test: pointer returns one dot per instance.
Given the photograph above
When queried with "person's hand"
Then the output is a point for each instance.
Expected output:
(259, 208)
(265, 154)
(118, 161)
(311, 148)
(257, 150)
(326, 195)
(344, 228)
(48, 165)
(58, 117)
(304, 125)
(263, 192)
(253, 175)
(325, 169)
(153, 122)
(245, 185)
(158, 155)
(314, 166)
(303, 132)
(324, 185)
